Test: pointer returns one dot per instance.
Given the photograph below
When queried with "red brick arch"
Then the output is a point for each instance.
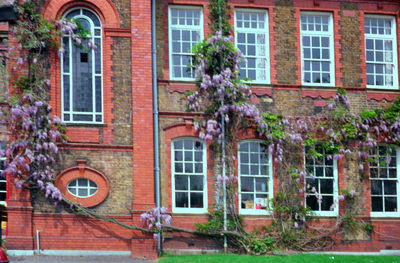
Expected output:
(54, 9)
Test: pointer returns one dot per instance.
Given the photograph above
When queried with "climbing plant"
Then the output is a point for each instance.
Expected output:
(225, 100)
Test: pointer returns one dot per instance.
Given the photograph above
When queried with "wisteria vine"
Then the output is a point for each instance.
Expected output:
(335, 134)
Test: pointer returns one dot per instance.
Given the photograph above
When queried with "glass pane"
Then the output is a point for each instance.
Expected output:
(390, 187)
(244, 169)
(376, 187)
(244, 147)
(198, 156)
(247, 184)
(198, 168)
(377, 205)
(188, 167)
(198, 145)
(196, 200)
(81, 117)
(390, 204)
(92, 16)
(188, 144)
(312, 203)
(178, 156)
(98, 56)
(326, 186)
(261, 201)
(181, 200)
(248, 201)
(178, 167)
(188, 156)
(253, 147)
(82, 192)
(82, 182)
(98, 94)
(254, 170)
(73, 13)
(196, 183)
(66, 90)
(66, 55)
(181, 182)
(244, 158)
(85, 23)
(327, 202)
(261, 184)
(178, 144)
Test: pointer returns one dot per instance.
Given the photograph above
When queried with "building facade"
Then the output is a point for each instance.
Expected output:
(298, 53)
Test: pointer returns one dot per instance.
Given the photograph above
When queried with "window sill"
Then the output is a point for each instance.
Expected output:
(87, 124)
(385, 215)
(255, 212)
(189, 211)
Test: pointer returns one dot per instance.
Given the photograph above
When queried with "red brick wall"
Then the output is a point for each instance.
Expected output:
(286, 95)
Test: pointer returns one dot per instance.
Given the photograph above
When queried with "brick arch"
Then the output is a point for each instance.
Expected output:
(53, 9)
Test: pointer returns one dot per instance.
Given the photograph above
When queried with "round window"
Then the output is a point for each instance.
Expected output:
(82, 187)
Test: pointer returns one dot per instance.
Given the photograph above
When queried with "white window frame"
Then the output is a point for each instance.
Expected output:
(331, 60)
(3, 180)
(390, 214)
(256, 31)
(71, 112)
(189, 210)
(335, 203)
(270, 190)
(392, 37)
(171, 27)
(88, 187)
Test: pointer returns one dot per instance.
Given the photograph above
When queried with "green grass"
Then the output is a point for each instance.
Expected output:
(306, 258)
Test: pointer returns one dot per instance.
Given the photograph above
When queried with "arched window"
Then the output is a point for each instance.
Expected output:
(82, 72)
(255, 177)
(189, 176)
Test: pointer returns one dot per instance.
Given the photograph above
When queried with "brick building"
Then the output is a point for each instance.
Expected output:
(298, 51)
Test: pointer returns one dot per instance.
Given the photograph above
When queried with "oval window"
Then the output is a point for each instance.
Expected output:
(82, 187)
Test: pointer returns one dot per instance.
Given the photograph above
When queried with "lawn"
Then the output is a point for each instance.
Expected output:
(306, 258)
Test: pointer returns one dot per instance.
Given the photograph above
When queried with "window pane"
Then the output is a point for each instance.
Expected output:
(66, 90)
(390, 204)
(196, 183)
(247, 184)
(327, 202)
(181, 182)
(92, 16)
(390, 187)
(247, 201)
(196, 200)
(312, 203)
(181, 200)
(377, 205)
(326, 186)
(376, 187)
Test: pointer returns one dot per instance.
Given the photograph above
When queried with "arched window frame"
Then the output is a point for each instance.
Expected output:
(270, 187)
(192, 210)
(96, 34)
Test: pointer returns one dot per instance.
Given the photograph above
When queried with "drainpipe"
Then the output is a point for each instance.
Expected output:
(223, 145)
(155, 116)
